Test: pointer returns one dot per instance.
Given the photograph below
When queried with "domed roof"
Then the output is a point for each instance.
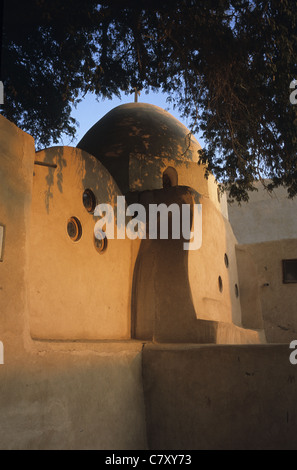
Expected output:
(137, 128)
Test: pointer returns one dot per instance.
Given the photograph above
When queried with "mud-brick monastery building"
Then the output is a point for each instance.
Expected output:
(116, 343)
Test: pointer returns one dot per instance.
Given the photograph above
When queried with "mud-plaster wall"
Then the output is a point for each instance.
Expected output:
(79, 395)
(75, 292)
(208, 263)
(145, 173)
(17, 153)
(73, 396)
(250, 291)
(278, 300)
(265, 217)
(176, 295)
(220, 397)
(266, 228)
(202, 267)
(57, 394)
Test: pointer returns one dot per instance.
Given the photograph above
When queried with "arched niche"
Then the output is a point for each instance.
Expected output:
(170, 177)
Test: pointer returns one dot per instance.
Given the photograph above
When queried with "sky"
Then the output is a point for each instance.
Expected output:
(89, 111)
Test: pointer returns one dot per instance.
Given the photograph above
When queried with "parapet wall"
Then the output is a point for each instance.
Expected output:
(17, 152)
(220, 397)
(72, 396)
(123, 396)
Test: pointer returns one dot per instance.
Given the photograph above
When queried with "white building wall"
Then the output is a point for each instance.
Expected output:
(266, 217)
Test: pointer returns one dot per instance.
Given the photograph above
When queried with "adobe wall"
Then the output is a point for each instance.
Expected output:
(75, 292)
(90, 396)
(266, 228)
(68, 395)
(278, 300)
(207, 264)
(73, 392)
(250, 289)
(145, 173)
(54, 394)
(176, 293)
(17, 152)
(265, 217)
(220, 397)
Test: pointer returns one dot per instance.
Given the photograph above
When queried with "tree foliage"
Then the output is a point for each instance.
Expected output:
(226, 64)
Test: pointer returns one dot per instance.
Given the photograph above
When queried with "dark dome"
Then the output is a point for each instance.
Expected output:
(137, 128)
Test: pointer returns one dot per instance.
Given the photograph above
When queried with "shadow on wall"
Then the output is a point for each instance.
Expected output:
(87, 172)
(54, 156)
(162, 304)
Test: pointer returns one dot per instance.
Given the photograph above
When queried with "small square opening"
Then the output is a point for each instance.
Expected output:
(289, 271)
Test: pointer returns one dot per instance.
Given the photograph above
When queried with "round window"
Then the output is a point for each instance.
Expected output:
(89, 200)
(220, 282)
(100, 241)
(74, 229)
(226, 259)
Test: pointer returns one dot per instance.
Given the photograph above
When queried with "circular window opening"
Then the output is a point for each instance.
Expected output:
(226, 259)
(100, 241)
(220, 284)
(74, 229)
(89, 200)
(236, 291)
